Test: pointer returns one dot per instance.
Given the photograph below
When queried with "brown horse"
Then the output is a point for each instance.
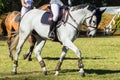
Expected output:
(11, 23)
(45, 7)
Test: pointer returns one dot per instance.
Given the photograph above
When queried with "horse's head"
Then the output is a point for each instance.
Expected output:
(87, 13)
(92, 19)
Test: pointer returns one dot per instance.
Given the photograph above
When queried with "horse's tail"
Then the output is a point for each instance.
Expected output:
(14, 43)
(3, 26)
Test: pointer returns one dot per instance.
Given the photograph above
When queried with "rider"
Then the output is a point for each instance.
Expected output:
(55, 8)
(26, 6)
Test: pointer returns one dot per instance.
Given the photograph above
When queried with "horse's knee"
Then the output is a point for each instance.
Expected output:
(36, 51)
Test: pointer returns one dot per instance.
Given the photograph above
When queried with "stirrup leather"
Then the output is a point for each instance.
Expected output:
(52, 35)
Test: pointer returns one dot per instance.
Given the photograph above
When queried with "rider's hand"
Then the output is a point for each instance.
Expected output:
(26, 6)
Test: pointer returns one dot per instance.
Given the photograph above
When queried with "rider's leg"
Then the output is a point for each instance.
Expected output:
(55, 11)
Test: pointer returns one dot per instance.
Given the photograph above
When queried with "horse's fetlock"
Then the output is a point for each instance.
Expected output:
(58, 66)
(15, 63)
(42, 63)
(80, 65)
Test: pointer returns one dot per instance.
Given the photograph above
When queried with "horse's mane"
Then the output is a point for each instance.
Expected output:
(91, 8)
(81, 6)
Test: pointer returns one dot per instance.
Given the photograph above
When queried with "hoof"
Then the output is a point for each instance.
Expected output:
(24, 56)
(13, 73)
(30, 59)
(82, 74)
(56, 73)
(45, 72)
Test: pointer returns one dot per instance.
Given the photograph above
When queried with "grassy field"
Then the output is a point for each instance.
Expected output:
(101, 58)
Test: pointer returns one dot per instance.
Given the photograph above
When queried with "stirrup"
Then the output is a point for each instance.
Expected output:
(52, 35)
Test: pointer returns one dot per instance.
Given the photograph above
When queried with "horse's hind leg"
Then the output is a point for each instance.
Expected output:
(37, 52)
(22, 37)
(32, 41)
(9, 40)
(64, 51)
(71, 46)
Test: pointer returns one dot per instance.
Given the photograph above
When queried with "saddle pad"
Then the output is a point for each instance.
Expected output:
(17, 18)
(45, 18)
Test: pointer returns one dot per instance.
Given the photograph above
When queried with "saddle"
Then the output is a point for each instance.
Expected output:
(17, 18)
(47, 18)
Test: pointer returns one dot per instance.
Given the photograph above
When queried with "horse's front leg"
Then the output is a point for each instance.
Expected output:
(37, 52)
(71, 46)
(64, 51)
(32, 41)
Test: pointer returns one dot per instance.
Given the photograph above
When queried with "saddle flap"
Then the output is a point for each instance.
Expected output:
(46, 18)
(17, 18)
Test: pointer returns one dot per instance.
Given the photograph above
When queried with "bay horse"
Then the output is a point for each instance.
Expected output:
(10, 26)
(66, 33)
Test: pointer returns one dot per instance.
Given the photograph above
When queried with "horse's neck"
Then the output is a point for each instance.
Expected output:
(78, 16)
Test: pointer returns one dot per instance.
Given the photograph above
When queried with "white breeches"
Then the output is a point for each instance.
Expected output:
(24, 10)
(55, 10)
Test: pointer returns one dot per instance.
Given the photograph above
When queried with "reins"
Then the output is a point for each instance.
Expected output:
(74, 21)
(68, 14)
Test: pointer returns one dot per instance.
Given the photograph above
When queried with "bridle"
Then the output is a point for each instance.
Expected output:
(91, 20)
(68, 14)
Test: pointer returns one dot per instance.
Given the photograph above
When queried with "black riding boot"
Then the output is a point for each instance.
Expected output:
(52, 30)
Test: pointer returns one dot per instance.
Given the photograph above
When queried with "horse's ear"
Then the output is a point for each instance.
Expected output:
(94, 11)
(86, 7)
(102, 10)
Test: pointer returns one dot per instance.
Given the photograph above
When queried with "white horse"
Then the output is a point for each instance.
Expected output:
(67, 32)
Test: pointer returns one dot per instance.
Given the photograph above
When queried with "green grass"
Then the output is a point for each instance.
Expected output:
(101, 58)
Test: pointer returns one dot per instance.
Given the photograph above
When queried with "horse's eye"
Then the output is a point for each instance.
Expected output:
(93, 21)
